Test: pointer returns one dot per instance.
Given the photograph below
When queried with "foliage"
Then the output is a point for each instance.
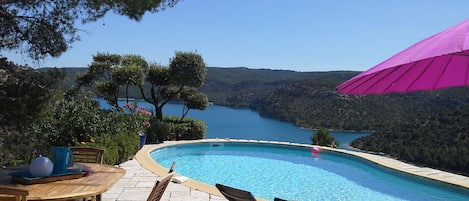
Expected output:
(192, 100)
(17, 147)
(242, 87)
(71, 120)
(47, 28)
(172, 128)
(119, 144)
(313, 103)
(77, 120)
(323, 138)
(24, 91)
(186, 69)
(139, 118)
(109, 72)
(439, 141)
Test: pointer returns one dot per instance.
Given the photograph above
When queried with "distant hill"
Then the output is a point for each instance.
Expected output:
(314, 103)
(439, 141)
(242, 87)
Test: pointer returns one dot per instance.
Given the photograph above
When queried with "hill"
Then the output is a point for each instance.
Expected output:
(440, 141)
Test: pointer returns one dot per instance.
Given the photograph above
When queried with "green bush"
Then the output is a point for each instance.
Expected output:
(119, 143)
(323, 138)
(109, 144)
(77, 120)
(118, 148)
(172, 128)
(16, 147)
(71, 120)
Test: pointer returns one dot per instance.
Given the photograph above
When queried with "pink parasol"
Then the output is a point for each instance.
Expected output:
(437, 62)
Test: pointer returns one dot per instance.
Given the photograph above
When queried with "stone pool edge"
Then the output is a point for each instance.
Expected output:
(144, 158)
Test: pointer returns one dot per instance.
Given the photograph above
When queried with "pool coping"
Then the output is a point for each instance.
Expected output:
(144, 158)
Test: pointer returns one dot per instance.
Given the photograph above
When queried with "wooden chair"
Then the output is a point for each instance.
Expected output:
(12, 194)
(172, 167)
(279, 199)
(234, 194)
(160, 187)
(87, 155)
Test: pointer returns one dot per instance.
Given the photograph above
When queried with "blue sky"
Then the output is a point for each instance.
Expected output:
(299, 35)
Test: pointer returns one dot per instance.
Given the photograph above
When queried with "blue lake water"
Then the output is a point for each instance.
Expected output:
(235, 123)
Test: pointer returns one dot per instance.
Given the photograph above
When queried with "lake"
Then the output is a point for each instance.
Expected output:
(236, 123)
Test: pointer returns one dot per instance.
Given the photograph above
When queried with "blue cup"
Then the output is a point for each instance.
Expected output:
(63, 158)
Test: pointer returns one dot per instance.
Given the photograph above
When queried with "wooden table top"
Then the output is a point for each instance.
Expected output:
(101, 179)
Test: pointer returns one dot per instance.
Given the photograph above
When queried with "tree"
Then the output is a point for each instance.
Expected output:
(24, 91)
(323, 138)
(186, 69)
(25, 94)
(186, 72)
(108, 72)
(192, 100)
(45, 28)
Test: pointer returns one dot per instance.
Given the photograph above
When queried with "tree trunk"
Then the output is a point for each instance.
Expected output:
(159, 113)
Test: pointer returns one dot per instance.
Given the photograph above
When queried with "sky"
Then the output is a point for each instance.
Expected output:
(298, 35)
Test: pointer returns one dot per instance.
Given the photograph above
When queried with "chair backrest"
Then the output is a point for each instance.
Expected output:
(13, 194)
(234, 194)
(87, 155)
(172, 167)
(279, 199)
(160, 187)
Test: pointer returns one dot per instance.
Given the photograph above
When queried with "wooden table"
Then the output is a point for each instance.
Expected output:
(101, 179)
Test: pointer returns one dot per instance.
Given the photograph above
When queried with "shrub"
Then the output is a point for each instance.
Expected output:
(323, 138)
(76, 120)
(172, 128)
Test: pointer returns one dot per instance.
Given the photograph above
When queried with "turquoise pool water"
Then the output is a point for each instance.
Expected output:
(292, 172)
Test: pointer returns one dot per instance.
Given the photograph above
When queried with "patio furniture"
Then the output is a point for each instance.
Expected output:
(87, 155)
(279, 199)
(234, 194)
(171, 169)
(160, 187)
(13, 194)
(101, 178)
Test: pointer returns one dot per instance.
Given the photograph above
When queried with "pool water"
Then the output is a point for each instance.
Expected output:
(291, 172)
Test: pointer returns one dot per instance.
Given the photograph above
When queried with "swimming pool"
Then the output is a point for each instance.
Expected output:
(292, 172)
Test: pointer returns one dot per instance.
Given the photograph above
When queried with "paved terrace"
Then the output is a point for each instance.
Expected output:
(142, 173)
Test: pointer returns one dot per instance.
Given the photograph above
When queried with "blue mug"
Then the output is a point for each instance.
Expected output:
(63, 158)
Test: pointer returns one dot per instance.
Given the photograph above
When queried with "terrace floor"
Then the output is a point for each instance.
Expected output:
(138, 182)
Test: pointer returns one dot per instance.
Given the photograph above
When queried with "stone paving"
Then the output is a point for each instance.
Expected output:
(138, 182)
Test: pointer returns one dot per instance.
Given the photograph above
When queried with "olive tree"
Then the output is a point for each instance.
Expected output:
(109, 72)
(186, 69)
(192, 100)
(44, 28)
(186, 72)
